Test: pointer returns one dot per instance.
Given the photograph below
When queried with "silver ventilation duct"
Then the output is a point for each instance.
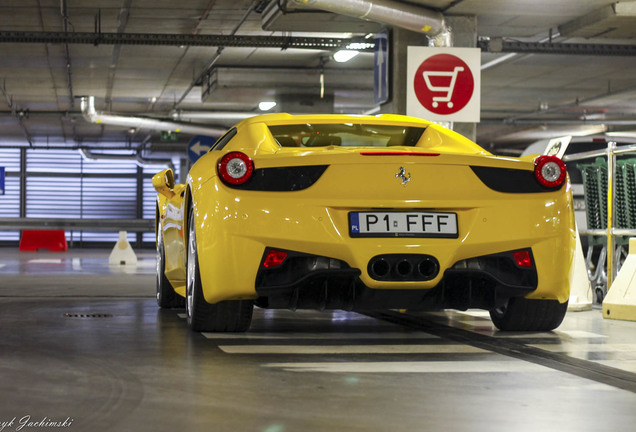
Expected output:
(138, 159)
(93, 116)
(221, 116)
(414, 18)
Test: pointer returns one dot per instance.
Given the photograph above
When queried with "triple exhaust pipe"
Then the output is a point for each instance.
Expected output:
(403, 267)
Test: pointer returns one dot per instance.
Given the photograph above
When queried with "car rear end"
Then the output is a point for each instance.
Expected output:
(439, 223)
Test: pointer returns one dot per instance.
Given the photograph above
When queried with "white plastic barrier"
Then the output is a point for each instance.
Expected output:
(581, 296)
(620, 301)
(122, 253)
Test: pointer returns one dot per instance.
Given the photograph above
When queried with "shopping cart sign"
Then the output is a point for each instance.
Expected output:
(444, 83)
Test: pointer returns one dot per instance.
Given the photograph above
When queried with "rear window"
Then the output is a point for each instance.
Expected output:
(346, 135)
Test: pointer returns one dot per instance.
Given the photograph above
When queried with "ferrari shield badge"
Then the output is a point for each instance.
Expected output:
(403, 175)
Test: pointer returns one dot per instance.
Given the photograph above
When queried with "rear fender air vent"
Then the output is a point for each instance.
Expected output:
(510, 180)
(283, 179)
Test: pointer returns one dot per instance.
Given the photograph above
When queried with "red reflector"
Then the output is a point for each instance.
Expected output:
(274, 258)
(522, 258)
(397, 154)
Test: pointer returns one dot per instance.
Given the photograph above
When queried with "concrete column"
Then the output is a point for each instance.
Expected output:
(464, 34)
(400, 40)
(184, 168)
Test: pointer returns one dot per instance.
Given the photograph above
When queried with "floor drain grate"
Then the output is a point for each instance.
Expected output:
(79, 315)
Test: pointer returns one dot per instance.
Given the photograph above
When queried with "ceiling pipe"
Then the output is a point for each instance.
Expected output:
(577, 103)
(206, 70)
(93, 116)
(414, 18)
(178, 115)
(166, 39)
(568, 122)
(614, 50)
(138, 159)
(69, 71)
(18, 114)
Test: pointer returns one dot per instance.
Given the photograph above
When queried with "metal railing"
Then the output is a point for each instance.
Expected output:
(611, 231)
(96, 225)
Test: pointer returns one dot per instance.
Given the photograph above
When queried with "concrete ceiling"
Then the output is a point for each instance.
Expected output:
(526, 96)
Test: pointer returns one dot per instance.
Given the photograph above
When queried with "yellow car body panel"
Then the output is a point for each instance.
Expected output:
(235, 227)
(170, 221)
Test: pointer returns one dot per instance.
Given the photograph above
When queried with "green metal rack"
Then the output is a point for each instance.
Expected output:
(595, 183)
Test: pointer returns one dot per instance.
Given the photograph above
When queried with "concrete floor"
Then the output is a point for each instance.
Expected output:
(84, 343)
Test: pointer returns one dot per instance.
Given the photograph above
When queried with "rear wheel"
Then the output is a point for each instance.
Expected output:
(521, 314)
(167, 298)
(225, 316)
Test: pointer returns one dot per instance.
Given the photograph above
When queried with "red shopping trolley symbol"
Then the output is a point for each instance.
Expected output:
(444, 84)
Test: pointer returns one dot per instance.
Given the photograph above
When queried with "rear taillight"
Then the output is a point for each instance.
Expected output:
(235, 168)
(549, 171)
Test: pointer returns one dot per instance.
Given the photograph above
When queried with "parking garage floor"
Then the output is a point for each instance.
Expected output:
(84, 347)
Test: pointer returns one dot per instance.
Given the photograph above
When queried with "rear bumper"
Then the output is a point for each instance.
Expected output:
(305, 281)
(235, 227)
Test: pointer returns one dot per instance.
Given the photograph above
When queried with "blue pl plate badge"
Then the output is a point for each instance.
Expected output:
(354, 223)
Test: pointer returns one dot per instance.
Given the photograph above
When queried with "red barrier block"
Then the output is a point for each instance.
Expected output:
(34, 240)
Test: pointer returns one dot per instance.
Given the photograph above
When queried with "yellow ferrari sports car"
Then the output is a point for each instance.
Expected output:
(363, 213)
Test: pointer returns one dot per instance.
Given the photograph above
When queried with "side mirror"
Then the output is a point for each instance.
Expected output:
(163, 183)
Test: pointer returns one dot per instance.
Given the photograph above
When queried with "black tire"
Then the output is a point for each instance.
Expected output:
(521, 314)
(167, 298)
(225, 316)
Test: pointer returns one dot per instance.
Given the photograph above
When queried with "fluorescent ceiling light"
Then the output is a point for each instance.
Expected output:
(343, 56)
(266, 105)
(360, 45)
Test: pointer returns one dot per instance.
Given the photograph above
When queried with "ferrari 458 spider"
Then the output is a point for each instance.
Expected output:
(363, 213)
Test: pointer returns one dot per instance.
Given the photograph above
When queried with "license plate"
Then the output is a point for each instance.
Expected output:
(403, 224)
